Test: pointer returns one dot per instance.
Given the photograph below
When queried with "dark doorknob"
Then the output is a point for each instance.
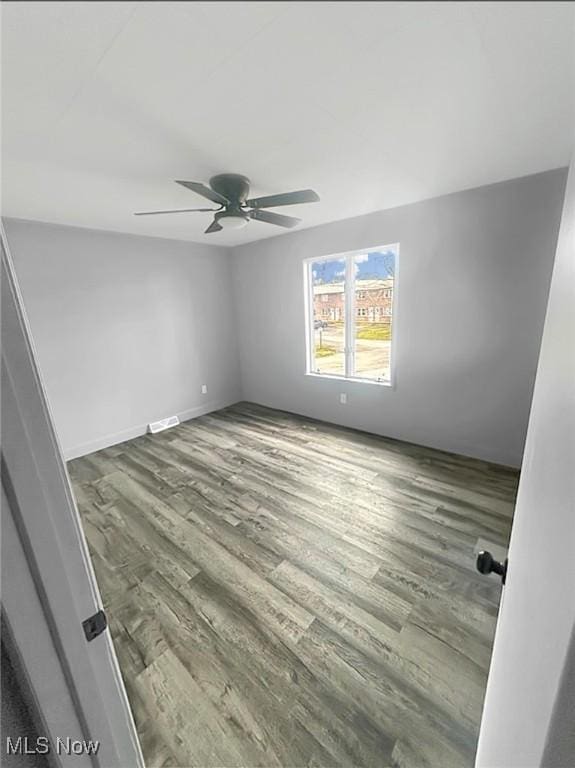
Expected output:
(486, 564)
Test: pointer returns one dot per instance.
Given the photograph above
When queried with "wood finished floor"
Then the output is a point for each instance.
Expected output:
(283, 592)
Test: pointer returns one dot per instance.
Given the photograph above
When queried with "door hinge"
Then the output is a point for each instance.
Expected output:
(95, 625)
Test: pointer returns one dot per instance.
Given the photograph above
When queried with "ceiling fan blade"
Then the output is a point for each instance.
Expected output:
(214, 227)
(176, 210)
(286, 198)
(204, 191)
(274, 218)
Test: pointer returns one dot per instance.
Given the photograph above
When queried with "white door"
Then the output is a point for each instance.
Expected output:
(40, 521)
(521, 723)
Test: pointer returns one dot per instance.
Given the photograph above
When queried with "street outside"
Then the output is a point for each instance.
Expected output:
(371, 357)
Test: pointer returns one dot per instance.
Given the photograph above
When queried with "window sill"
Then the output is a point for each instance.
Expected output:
(350, 379)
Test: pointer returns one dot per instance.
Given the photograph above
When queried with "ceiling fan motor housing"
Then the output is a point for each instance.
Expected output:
(233, 186)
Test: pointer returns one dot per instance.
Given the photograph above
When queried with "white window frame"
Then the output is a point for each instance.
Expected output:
(349, 315)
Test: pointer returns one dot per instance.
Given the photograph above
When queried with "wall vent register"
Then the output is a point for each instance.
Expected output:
(159, 426)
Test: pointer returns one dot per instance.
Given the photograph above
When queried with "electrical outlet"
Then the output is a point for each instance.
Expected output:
(204, 389)
(343, 398)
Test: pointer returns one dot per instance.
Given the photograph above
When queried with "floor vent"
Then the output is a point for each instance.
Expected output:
(159, 426)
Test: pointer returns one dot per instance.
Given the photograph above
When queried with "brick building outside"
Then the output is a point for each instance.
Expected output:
(373, 301)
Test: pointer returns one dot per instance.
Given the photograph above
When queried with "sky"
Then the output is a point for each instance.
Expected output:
(368, 266)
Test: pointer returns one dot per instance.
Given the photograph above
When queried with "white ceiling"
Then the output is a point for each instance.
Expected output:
(372, 104)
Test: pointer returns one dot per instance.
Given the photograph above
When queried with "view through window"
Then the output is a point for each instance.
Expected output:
(351, 313)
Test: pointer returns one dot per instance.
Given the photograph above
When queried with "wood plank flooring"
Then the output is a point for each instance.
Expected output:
(283, 592)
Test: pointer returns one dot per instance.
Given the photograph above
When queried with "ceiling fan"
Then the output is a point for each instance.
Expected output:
(230, 191)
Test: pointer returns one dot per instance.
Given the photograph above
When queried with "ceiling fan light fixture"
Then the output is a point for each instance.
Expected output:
(232, 222)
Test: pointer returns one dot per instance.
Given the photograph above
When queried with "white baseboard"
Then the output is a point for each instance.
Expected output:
(128, 434)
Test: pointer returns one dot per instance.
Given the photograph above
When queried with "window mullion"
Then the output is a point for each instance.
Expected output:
(310, 319)
(349, 317)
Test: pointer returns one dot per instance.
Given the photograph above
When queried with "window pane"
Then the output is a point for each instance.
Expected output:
(374, 276)
(328, 286)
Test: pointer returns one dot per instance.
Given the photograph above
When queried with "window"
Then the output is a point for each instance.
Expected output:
(356, 340)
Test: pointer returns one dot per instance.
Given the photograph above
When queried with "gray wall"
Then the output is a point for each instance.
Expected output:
(126, 328)
(474, 272)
